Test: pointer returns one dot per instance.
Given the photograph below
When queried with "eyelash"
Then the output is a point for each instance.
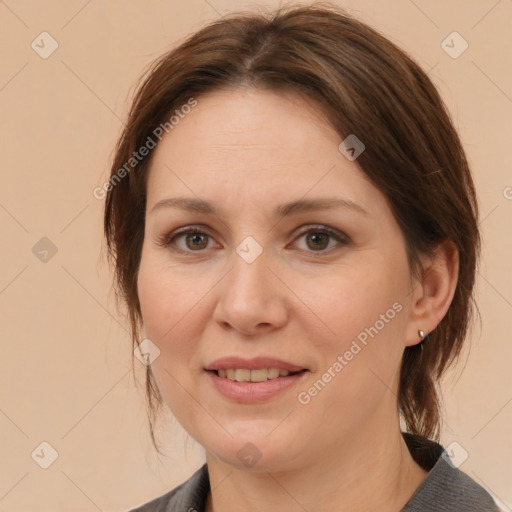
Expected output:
(170, 239)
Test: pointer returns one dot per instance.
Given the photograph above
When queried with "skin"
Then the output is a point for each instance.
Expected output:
(248, 151)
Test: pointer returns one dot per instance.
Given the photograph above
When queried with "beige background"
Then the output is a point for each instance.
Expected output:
(65, 355)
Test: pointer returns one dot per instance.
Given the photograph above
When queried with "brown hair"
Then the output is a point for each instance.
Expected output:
(368, 87)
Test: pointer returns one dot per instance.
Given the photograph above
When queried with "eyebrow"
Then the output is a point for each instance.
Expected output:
(283, 210)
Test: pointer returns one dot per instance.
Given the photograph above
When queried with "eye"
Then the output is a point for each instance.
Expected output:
(317, 238)
(194, 239)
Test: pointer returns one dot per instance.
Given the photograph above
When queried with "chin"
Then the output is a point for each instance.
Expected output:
(254, 449)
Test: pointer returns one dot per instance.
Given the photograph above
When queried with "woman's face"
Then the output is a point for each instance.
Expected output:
(271, 285)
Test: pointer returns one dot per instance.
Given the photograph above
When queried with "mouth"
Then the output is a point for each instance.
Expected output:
(256, 375)
(253, 380)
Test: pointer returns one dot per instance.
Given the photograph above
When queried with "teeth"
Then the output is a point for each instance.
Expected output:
(273, 373)
(245, 375)
(259, 375)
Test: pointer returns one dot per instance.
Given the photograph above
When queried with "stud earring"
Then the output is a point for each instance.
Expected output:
(421, 334)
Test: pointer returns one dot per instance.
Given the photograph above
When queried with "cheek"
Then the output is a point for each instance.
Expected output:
(166, 323)
(166, 318)
(362, 317)
(169, 299)
(357, 301)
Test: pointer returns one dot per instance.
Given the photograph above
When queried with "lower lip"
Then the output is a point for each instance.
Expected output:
(252, 392)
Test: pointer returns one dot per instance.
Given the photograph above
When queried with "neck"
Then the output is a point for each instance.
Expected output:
(374, 473)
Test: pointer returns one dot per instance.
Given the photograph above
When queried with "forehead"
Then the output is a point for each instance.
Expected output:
(240, 126)
(254, 145)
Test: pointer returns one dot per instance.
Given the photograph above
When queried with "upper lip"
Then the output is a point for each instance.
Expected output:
(252, 364)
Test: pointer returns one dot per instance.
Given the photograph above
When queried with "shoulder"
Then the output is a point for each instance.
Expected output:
(447, 488)
(190, 496)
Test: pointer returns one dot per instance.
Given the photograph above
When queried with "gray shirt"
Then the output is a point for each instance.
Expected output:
(445, 488)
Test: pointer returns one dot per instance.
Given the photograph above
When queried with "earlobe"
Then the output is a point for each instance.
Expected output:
(432, 296)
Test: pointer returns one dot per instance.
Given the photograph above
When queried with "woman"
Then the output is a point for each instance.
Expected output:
(295, 233)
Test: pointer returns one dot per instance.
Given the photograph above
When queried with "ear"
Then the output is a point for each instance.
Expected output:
(433, 294)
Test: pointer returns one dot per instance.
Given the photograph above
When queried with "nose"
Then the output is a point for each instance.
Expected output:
(252, 298)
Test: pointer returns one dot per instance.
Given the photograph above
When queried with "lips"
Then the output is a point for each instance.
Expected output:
(253, 380)
(254, 392)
